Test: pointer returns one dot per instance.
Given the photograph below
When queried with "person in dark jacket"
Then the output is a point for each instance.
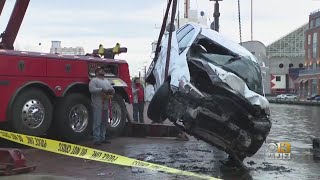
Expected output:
(138, 100)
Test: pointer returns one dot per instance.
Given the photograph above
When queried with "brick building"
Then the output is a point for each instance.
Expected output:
(309, 78)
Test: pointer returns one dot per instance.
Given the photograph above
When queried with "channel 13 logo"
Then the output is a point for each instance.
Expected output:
(280, 150)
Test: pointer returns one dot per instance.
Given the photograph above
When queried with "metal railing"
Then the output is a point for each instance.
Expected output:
(309, 71)
(313, 12)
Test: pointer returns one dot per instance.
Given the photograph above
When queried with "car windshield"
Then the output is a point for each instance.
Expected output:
(243, 67)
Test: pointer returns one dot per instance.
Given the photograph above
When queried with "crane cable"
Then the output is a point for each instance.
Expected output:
(239, 16)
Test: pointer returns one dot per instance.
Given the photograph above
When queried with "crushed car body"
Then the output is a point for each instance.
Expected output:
(213, 91)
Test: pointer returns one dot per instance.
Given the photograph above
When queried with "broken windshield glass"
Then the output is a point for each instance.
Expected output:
(243, 67)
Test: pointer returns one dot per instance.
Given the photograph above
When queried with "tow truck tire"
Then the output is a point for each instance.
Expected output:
(119, 112)
(31, 112)
(73, 118)
(158, 104)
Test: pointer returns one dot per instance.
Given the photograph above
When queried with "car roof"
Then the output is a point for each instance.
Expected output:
(223, 41)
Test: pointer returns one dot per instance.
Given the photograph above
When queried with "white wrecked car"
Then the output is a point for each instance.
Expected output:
(213, 91)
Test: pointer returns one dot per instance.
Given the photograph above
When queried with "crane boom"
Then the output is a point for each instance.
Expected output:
(15, 21)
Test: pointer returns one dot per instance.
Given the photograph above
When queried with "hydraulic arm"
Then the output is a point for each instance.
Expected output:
(15, 21)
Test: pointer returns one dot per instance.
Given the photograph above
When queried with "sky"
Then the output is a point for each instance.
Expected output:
(135, 23)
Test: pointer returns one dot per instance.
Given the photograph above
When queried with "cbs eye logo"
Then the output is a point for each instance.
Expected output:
(282, 147)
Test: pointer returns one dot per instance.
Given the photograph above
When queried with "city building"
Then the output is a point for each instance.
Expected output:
(258, 49)
(57, 49)
(308, 81)
(286, 57)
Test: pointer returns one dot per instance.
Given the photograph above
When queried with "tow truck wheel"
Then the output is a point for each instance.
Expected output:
(118, 120)
(31, 112)
(72, 116)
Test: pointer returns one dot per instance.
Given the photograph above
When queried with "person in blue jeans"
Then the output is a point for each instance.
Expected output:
(100, 90)
(138, 100)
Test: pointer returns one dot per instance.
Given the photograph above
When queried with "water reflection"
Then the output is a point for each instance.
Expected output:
(294, 124)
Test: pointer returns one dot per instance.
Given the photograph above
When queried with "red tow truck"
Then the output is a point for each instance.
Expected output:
(41, 92)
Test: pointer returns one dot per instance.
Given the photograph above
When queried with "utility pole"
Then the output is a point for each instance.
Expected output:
(186, 8)
(239, 16)
(216, 15)
(139, 74)
(145, 76)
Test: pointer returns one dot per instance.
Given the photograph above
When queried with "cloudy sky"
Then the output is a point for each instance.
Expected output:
(134, 23)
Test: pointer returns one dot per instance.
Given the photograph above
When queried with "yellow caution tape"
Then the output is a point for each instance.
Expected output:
(74, 150)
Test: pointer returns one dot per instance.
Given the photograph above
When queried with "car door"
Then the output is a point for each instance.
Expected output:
(178, 69)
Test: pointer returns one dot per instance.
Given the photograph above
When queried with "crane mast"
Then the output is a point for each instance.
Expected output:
(2, 2)
(9, 35)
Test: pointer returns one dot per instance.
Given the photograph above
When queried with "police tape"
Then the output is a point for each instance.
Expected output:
(78, 151)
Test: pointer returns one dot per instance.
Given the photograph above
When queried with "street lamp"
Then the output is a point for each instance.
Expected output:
(145, 73)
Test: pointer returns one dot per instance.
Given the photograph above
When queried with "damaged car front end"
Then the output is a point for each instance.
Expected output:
(213, 91)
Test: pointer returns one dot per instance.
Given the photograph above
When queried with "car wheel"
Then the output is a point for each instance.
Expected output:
(31, 112)
(158, 104)
(72, 115)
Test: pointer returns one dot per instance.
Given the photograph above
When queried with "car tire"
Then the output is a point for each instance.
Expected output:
(158, 104)
(73, 118)
(32, 103)
(119, 113)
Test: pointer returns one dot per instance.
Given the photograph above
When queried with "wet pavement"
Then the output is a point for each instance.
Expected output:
(291, 123)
